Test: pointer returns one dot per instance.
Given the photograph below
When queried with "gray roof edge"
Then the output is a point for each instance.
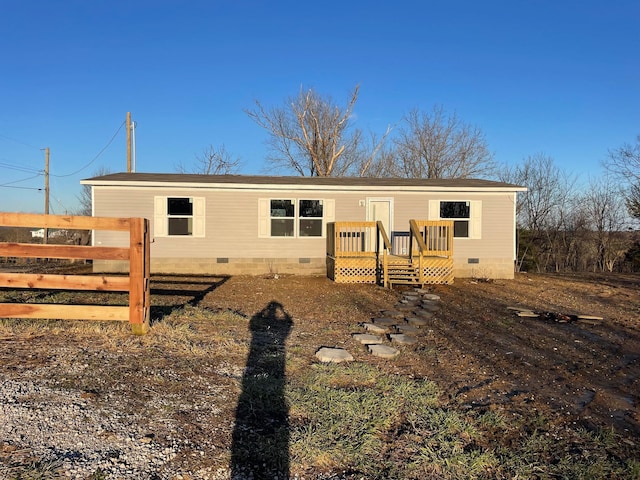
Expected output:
(125, 178)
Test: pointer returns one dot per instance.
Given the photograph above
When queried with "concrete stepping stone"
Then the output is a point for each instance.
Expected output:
(431, 296)
(404, 305)
(420, 290)
(407, 329)
(430, 306)
(333, 355)
(409, 307)
(367, 338)
(422, 313)
(402, 339)
(385, 322)
(417, 321)
(392, 313)
(372, 327)
(411, 297)
(383, 351)
(430, 302)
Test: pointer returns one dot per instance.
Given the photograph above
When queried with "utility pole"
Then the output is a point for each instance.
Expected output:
(133, 144)
(46, 191)
(129, 142)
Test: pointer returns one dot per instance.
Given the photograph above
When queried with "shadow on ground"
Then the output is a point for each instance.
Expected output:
(260, 448)
(180, 291)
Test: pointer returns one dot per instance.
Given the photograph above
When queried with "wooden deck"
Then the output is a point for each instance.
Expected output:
(360, 252)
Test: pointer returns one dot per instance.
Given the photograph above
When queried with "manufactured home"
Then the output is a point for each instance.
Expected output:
(238, 224)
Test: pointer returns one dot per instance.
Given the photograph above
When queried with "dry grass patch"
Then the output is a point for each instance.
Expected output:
(474, 399)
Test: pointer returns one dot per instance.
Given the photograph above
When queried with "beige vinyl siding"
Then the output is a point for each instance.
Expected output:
(232, 226)
(495, 247)
(231, 223)
(121, 202)
(257, 242)
(496, 224)
(497, 230)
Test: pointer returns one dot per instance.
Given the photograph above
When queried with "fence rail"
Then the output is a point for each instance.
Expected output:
(136, 284)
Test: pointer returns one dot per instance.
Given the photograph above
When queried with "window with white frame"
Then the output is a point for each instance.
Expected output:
(282, 213)
(294, 217)
(459, 212)
(179, 216)
(310, 213)
(466, 216)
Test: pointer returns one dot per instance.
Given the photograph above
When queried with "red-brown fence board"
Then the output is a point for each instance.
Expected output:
(137, 283)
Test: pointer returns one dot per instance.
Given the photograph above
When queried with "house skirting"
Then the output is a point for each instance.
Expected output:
(436, 270)
(345, 270)
(484, 268)
(223, 266)
(352, 269)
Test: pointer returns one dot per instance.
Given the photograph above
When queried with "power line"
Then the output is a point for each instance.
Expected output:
(96, 157)
(19, 168)
(18, 141)
(21, 180)
(22, 188)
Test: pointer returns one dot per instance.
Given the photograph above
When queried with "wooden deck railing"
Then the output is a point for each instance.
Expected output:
(352, 239)
(358, 250)
(136, 284)
(430, 238)
(386, 250)
(370, 239)
(356, 239)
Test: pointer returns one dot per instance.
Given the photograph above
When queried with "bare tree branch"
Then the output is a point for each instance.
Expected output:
(437, 145)
(624, 164)
(548, 192)
(606, 210)
(310, 134)
(84, 197)
(377, 161)
(212, 161)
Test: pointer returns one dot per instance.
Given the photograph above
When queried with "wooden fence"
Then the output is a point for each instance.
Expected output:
(136, 284)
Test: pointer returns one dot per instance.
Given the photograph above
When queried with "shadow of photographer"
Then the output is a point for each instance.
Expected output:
(260, 445)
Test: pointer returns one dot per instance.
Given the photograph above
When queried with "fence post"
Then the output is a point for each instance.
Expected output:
(139, 275)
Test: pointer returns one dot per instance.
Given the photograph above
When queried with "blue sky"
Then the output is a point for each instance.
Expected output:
(558, 77)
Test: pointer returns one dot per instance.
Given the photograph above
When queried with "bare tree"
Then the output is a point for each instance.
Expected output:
(633, 200)
(376, 158)
(546, 212)
(561, 229)
(548, 188)
(606, 210)
(212, 161)
(84, 197)
(438, 145)
(311, 134)
(624, 163)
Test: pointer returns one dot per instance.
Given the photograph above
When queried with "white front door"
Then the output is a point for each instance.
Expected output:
(380, 209)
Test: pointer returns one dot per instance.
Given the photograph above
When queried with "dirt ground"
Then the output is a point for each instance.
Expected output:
(481, 353)
(478, 351)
